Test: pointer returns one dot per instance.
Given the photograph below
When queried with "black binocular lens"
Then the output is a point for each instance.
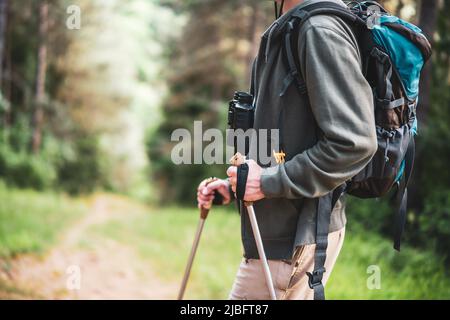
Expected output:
(241, 111)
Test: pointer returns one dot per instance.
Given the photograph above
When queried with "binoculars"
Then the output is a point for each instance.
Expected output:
(241, 111)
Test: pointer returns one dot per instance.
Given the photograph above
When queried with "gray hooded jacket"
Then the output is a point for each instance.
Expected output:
(328, 134)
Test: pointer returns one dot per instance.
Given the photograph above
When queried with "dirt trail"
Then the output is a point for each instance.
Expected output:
(100, 269)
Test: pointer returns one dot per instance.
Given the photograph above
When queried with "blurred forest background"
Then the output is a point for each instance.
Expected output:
(92, 109)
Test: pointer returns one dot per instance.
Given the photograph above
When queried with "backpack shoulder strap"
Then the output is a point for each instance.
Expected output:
(293, 26)
(402, 194)
(325, 204)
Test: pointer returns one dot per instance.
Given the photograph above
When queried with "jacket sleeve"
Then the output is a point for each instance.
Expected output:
(342, 105)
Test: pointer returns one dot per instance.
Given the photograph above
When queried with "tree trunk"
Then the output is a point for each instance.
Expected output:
(3, 24)
(38, 115)
(427, 22)
(6, 84)
(3, 21)
(253, 36)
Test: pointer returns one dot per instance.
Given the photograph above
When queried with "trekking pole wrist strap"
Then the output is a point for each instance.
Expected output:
(242, 174)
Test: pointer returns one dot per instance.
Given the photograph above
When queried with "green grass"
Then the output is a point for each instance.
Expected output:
(410, 274)
(164, 238)
(31, 221)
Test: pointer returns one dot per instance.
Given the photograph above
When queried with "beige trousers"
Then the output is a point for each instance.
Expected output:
(290, 280)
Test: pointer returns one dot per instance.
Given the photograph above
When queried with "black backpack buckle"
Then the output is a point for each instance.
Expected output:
(315, 278)
(412, 110)
(301, 14)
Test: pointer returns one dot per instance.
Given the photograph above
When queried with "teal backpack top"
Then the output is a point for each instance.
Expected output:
(393, 53)
(407, 57)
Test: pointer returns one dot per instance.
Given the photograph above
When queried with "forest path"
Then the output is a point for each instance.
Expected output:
(83, 267)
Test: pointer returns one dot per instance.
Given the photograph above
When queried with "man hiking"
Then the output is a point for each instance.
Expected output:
(328, 137)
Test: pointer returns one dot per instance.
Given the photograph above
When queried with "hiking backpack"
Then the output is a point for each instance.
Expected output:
(393, 54)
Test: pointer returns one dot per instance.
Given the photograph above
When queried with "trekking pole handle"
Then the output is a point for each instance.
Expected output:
(237, 160)
(204, 210)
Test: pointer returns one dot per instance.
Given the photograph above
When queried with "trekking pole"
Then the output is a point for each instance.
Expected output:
(204, 210)
(237, 160)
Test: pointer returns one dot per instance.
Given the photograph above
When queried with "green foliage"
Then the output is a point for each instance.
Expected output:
(31, 221)
(103, 87)
(410, 274)
(434, 226)
(429, 218)
(75, 167)
(20, 168)
(25, 171)
(18, 135)
(434, 135)
(437, 206)
(375, 215)
(82, 173)
(428, 229)
(177, 182)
